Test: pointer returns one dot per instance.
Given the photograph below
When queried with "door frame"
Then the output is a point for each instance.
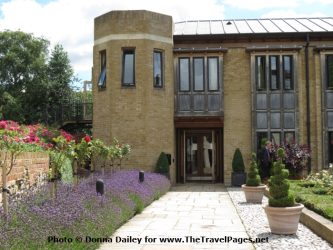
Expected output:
(218, 173)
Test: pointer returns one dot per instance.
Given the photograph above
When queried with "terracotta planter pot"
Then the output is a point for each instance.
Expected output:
(253, 194)
(283, 220)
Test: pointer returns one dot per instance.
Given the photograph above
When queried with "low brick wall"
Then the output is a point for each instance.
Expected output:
(30, 169)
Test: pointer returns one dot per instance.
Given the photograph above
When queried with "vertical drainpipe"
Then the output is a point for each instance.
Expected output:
(307, 87)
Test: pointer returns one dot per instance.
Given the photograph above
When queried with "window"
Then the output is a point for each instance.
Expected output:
(198, 72)
(274, 72)
(213, 74)
(158, 69)
(184, 74)
(288, 73)
(274, 98)
(102, 75)
(260, 72)
(330, 147)
(128, 76)
(329, 71)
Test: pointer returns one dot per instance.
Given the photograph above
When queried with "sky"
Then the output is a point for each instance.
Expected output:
(71, 22)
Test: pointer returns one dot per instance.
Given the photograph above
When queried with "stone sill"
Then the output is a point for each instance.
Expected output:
(317, 223)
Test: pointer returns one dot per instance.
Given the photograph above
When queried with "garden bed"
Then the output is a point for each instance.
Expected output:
(319, 203)
(76, 211)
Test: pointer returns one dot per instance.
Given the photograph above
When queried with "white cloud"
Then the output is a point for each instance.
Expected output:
(290, 13)
(70, 23)
(261, 4)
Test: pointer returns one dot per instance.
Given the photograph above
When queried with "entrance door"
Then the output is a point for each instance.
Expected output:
(199, 156)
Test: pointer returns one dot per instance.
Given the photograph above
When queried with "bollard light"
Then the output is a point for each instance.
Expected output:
(141, 176)
(100, 187)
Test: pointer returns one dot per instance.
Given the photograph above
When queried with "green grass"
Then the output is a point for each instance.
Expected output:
(319, 203)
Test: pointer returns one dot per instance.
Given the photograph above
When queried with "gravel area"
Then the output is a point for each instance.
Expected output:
(256, 224)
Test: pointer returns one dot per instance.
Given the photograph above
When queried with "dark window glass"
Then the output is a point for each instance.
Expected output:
(274, 72)
(158, 69)
(213, 73)
(262, 138)
(260, 71)
(289, 137)
(198, 69)
(276, 138)
(102, 74)
(288, 73)
(128, 68)
(329, 71)
(184, 74)
(330, 147)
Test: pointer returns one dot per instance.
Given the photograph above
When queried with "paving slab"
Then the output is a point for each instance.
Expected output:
(197, 216)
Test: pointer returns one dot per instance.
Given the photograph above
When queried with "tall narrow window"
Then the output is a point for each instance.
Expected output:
(128, 76)
(213, 73)
(274, 72)
(102, 75)
(184, 74)
(198, 69)
(329, 71)
(260, 71)
(288, 73)
(158, 69)
(330, 147)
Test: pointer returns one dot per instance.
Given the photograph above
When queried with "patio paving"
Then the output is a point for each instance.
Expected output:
(199, 216)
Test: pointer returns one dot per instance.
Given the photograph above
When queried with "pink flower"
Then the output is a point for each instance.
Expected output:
(3, 124)
(87, 138)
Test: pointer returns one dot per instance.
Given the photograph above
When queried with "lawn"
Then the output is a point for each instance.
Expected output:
(41, 220)
(319, 203)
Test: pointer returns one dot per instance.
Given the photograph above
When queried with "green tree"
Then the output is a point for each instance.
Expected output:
(60, 78)
(22, 66)
(31, 86)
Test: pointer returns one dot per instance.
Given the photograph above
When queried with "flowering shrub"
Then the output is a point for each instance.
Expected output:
(321, 181)
(78, 211)
(296, 155)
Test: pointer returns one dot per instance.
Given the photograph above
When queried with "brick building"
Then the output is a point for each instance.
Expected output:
(199, 89)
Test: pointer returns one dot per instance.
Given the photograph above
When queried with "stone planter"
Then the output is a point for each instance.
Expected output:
(253, 194)
(238, 179)
(283, 220)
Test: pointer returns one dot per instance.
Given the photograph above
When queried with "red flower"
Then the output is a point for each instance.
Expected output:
(87, 138)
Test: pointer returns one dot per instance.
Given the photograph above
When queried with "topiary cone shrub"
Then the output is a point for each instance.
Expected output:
(279, 185)
(238, 162)
(162, 165)
(253, 175)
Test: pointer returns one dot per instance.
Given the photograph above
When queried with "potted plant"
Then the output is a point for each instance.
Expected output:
(162, 165)
(253, 189)
(238, 176)
(282, 212)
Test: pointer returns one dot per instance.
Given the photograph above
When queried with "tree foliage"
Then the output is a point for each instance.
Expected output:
(32, 82)
(238, 162)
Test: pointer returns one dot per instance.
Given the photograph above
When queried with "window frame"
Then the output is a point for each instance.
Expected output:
(160, 52)
(128, 51)
(203, 72)
(328, 73)
(277, 72)
(218, 74)
(102, 72)
(291, 72)
(264, 88)
(189, 74)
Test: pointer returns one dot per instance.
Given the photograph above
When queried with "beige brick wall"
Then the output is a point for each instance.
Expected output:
(142, 115)
(237, 108)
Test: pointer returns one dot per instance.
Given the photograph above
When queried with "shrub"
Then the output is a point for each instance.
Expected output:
(253, 175)
(279, 185)
(162, 165)
(238, 162)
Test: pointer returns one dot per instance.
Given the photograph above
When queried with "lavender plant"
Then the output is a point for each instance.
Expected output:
(77, 210)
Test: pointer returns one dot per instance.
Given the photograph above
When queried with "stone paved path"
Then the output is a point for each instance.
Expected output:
(191, 212)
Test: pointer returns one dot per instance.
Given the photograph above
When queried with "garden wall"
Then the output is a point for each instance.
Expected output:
(30, 170)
